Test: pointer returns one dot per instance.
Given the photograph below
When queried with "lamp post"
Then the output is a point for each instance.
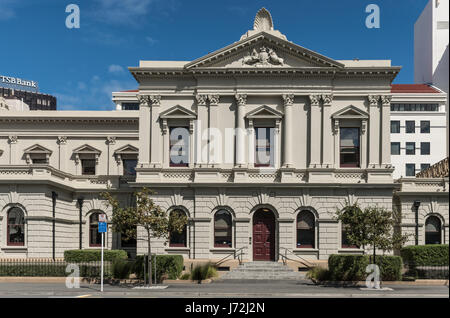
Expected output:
(416, 208)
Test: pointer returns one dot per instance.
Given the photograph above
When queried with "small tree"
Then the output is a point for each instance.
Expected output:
(373, 226)
(146, 214)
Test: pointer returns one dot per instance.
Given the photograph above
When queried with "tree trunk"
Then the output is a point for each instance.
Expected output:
(149, 259)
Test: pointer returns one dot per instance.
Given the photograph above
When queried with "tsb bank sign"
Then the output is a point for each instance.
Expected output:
(18, 83)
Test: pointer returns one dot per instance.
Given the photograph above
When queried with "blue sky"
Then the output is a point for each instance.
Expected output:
(81, 67)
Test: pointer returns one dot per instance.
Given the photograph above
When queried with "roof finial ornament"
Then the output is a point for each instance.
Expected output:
(263, 21)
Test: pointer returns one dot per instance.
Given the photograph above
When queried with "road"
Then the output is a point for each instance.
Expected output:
(241, 289)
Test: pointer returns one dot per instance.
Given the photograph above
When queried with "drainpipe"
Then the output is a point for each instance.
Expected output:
(54, 196)
(80, 207)
(416, 208)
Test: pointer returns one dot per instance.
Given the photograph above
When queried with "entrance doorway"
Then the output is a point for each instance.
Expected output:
(264, 235)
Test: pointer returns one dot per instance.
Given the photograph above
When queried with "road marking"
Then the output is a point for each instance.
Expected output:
(83, 296)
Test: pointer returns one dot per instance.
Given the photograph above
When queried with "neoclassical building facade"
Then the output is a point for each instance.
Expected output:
(258, 143)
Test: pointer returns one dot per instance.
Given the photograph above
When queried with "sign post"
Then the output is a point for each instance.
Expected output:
(102, 228)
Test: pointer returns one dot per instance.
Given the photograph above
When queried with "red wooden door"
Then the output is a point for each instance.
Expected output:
(263, 236)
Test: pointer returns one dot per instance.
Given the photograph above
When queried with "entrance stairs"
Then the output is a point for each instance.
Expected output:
(263, 271)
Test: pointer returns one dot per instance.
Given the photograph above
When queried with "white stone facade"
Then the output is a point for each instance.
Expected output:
(263, 80)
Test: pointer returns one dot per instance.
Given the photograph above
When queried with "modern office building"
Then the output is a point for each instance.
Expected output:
(431, 48)
(418, 128)
(258, 144)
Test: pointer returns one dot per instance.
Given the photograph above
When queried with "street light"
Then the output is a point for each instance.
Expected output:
(416, 208)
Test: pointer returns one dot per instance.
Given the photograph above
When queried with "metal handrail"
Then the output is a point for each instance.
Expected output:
(236, 253)
(301, 261)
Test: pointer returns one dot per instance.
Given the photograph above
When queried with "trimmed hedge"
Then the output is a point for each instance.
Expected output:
(426, 255)
(81, 256)
(167, 266)
(353, 267)
(57, 269)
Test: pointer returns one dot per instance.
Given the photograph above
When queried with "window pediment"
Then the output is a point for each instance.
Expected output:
(37, 149)
(86, 149)
(264, 112)
(178, 112)
(127, 150)
(350, 112)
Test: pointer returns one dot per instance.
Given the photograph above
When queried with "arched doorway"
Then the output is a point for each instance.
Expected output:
(264, 235)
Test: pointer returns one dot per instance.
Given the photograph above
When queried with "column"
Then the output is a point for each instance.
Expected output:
(374, 131)
(327, 144)
(144, 129)
(12, 150)
(315, 131)
(214, 153)
(241, 101)
(156, 136)
(201, 128)
(364, 144)
(386, 130)
(62, 142)
(288, 132)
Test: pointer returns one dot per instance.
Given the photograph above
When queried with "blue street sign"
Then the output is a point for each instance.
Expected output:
(102, 228)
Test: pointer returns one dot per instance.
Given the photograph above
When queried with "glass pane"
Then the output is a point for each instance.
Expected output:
(410, 127)
(410, 148)
(395, 148)
(305, 220)
(425, 127)
(264, 150)
(129, 167)
(349, 137)
(179, 146)
(410, 170)
(88, 166)
(424, 148)
(222, 229)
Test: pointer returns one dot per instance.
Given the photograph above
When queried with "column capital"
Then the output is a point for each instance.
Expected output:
(327, 99)
(149, 100)
(386, 99)
(314, 99)
(62, 140)
(373, 100)
(241, 99)
(201, 99)
(13, 139)
(214, 99)
(111, 140)
(288, 99)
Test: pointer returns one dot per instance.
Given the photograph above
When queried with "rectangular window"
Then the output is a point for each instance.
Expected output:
(349, 147)
(264, 152)
(129, 167)
(179, 146)
(395, 148)
(424, 126)
(410, 126)
(410, 148)
(88, 167)
(395, 127)
(345, 242)
(130, 106)
(424, 166)
(424, 148)
(410, 170)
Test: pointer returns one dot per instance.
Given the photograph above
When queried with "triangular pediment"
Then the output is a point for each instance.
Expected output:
(86, 149)
(264, 112)
(264, 50)
(127, 150)
(178, 112)
(350, 112)
(37, 149)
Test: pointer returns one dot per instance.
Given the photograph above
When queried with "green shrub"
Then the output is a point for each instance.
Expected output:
(200, 272)
(185, 276)
(425, 255)
(318, 274)
(353, 267)
(82, 256)
(212, 272)
(167, 266)
(121, 268)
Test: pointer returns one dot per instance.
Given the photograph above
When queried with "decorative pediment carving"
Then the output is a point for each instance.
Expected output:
(262, 57)
(263, 21)
(86, 149)
(37, 149)
(350, 112)
(178, 112)
(264, 112)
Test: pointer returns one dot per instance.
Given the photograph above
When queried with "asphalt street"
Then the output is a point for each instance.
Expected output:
(229, 289)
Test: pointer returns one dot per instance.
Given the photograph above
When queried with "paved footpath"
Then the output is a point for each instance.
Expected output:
(220, 289)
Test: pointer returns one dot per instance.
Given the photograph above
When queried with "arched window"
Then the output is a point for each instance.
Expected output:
(222, 229)
(95, 238)
(305, 230)
(177, 239)
(433, 230)
(15, 227)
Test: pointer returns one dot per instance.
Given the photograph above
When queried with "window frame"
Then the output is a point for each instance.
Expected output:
(345, 165)
(82, 160)
(186, 143)
(406, 169)
(439, 232)
(399, 148)
(422, 127)
(269, 147)
(95, 213)
(422, 144)
(397, 122)
(183, 233)
(8, 225)
(311, 230)
(413, 143)
(413, 131)
(229, 229)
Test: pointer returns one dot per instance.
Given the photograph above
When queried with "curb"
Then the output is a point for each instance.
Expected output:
(417, 282)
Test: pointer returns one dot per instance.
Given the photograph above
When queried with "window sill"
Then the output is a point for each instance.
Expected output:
(180, 249)
(222, 249)
(350, 250)
(305, 249)
(12, 247)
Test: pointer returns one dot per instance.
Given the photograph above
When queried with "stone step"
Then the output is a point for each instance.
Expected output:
(263, 271)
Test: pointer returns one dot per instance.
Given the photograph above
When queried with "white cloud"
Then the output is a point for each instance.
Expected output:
(151, 40)
(115, 69)
(7, 9)
(121, 11)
